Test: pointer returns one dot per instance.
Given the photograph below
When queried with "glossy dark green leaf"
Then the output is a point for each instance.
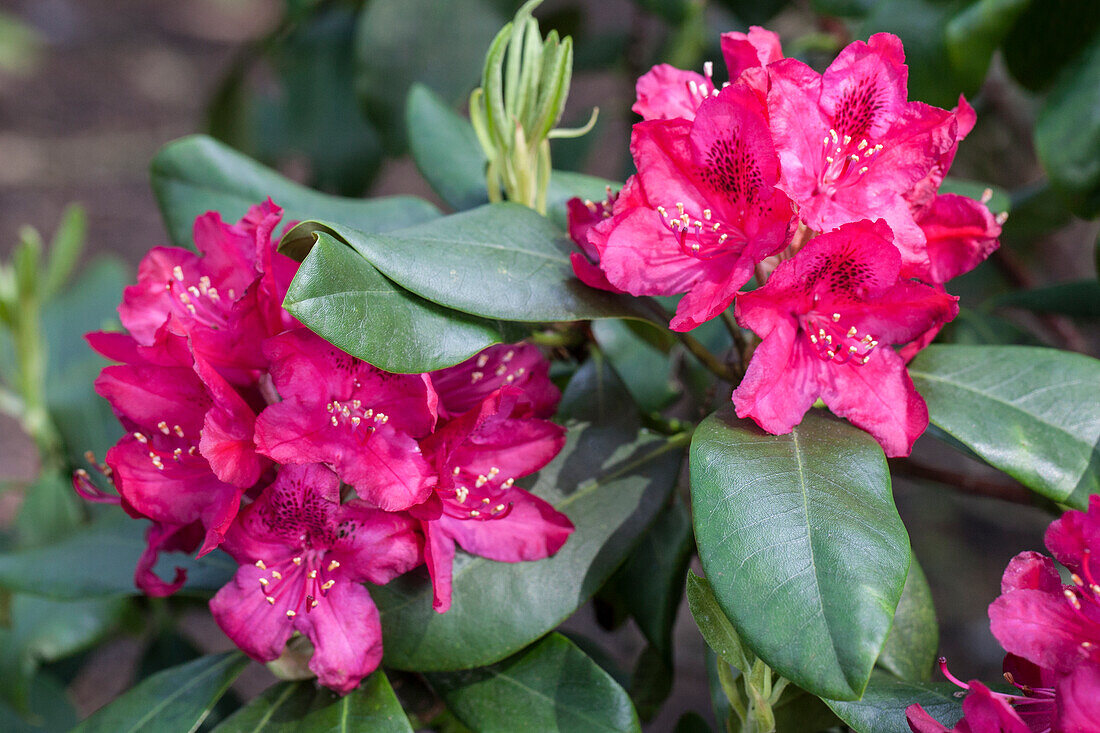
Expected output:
(342, 297)
(197, 174)
(596, 394)
(100, 561)
(882, 708)
(610, 483)
(1067, 133)
(806, 523)
(691, 722)
(445, 149)
(1032, 412)
(914, 640)
(976, 32)
(1046, 37)
(552, 686)
(800, 712)
(177, 699)
(651, 582)
(303, 707)
(401, 42)
(497, 261)
(978, 328)
(714, 625)
(1080, 299)
(644, 367)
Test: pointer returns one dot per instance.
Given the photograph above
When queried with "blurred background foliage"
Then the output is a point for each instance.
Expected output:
(317, 89)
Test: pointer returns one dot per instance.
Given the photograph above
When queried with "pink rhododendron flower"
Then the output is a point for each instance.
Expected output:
(464, 386)
(667, 93)
(478, 456)
(304, 557)
(227, 298)
(1051, 632)
(341, 411)
(159, 467)
(984, 711)
(1053, 626)
(582, 216)
(850, 144)
(827, 318)
(709, 210)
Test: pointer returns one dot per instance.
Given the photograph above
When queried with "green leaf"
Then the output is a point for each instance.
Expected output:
(196, 174)
(1034, 413)
(610, 483)
(712, 621)
(1080, 299)
(303, 706)
(177, 699)
(50, 510)
(340, 296)
(754, 11)
(45, 631)
(643, 366)
(1046, 37)
(651, 582)
(800, 712)
(1067, 133)
(882, 708)
(552, 686)
(401, 42)
(100, 560)
(803, 522)
(596, 394)
(65, 249)
(976, 32)
(84, 419)
(497, 261)
(914, 639)
(445, 149)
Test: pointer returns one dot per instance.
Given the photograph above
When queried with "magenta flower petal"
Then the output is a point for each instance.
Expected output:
(341, 411)
(477, 457)
(303, 555)
(666, 93)
(822, 316)
(464, 386)
(259, 628)
(164, 538)
(1047, 629)
(961, 233)
(1076, 536)
(1078, 701)
(741, 51)
(1031, 571)
(346, 632)
(532, 530)
(228, 431)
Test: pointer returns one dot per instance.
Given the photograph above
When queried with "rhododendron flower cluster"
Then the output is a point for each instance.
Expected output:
(822, 185)
(316, 471)
(1051, 632)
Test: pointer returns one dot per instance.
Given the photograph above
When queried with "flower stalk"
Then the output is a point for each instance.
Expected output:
(524, 85)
